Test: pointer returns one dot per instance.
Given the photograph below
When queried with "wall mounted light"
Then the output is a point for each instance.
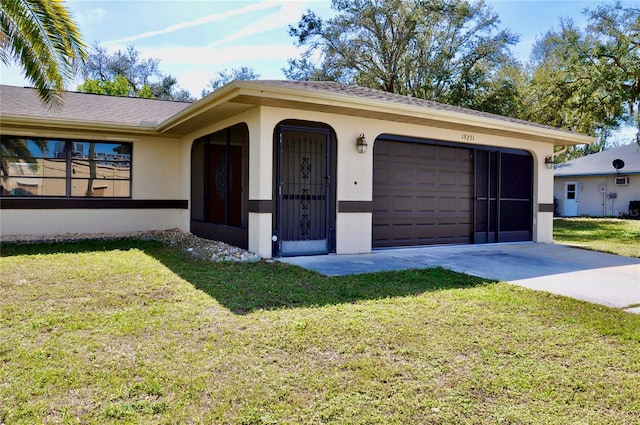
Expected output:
(549, 162)
(361, 143)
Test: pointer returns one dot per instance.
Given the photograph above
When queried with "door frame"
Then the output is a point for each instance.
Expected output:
(330, 197)
(574, 201)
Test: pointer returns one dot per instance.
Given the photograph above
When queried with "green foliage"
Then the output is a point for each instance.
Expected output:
(119, 86)
(448, 51)
(587, 79)
(125, 73)
(44, 40)
(243, 74)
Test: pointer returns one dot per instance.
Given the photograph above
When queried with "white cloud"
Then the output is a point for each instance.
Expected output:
(207, 55)
(287, 13)
(196, 22)
(90, 17)
(195, 66)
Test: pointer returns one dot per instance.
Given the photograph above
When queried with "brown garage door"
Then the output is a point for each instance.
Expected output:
(422, 194)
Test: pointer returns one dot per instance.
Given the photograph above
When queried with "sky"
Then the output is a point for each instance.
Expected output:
(196, 39)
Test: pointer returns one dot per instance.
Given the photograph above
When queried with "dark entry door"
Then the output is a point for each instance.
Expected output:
(504, 197)
(303, 178)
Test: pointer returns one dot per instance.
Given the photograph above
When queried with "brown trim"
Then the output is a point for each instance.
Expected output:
(264, 206)
(355, 206)
(545, 208)
(236, 236)
(90, 203)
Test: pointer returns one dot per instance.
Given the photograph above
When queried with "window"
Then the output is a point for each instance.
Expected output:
(622, 181)
(571, 191)
(64, 168)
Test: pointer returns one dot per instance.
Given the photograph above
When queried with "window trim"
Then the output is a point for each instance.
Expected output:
(69, 161)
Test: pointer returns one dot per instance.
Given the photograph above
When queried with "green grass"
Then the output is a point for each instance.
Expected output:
(615, 236)
(135, 332)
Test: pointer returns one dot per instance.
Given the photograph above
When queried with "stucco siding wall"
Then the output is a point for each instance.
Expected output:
(85, 221)
(355, 170)
(592, 202)
(155, 176)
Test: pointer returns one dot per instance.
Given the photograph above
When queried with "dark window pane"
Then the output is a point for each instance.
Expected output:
(516, 176)
(100, 188)
(27, 186)
(515, 215)
(43, 167)
(95, 169)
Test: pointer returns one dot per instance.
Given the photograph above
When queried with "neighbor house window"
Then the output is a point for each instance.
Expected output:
(64, 168)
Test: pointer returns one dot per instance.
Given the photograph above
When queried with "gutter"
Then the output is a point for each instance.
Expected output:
(632, 173)
(264, 90)
(143, 129)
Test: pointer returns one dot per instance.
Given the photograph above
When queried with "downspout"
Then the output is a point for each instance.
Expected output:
(560, 152)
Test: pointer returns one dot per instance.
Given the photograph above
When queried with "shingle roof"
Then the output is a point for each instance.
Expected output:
(367, 93)
(24, 102)
(601, 163)
(127, 111)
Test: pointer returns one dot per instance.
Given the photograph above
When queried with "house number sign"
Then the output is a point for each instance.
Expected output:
(468, 137)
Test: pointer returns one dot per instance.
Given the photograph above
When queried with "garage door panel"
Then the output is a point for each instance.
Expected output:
(422, 194)
(402, 204)
(426, 204)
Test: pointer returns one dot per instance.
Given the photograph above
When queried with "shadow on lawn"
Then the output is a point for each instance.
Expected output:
(246, 287)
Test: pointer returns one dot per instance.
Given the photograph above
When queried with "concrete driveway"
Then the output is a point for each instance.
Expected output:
(595, 277)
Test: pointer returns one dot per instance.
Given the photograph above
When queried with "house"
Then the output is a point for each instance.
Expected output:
(279, 167)
(601, 184)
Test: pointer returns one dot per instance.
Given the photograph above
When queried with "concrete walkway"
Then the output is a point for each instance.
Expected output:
(595, 277)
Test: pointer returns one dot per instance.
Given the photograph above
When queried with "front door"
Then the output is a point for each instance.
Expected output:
(570, 199)
(304, 189)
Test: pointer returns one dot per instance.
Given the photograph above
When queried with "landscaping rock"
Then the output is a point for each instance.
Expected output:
(196, 247)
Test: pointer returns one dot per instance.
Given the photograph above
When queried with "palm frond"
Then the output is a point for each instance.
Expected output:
(41, 36)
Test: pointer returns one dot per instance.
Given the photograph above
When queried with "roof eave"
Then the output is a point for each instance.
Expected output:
(11, 121)
(263, 90)
(598, 174)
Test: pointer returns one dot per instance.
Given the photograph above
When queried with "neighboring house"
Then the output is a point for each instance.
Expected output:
(592, 186)
(279, 167)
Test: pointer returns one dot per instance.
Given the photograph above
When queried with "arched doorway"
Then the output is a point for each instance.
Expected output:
(219, 176)
(304, 188)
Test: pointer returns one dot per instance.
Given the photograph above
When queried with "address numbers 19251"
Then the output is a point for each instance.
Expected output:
(468, 137)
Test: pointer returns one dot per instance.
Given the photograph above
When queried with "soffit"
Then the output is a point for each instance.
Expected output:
(240, 96)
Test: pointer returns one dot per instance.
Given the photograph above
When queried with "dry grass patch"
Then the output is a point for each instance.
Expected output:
(135, 332)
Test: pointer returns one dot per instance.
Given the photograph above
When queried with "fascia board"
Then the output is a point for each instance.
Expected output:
(220, 96)
(454, 117)
(262, 90)
(71, 125)
(596, 174)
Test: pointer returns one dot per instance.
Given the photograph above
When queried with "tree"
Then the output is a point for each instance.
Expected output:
(444, 50)
(41, 36)
(243, 73)
(588, 80)
(125, 73)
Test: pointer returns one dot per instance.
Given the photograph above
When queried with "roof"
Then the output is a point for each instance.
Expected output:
(367, 93)
(601, 163)
(22, 107)
(91, 108)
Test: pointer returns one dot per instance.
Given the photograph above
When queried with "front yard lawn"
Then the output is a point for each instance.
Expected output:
(612, 235)
(135, 332)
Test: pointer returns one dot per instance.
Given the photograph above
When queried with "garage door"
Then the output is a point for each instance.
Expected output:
(422, 194)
